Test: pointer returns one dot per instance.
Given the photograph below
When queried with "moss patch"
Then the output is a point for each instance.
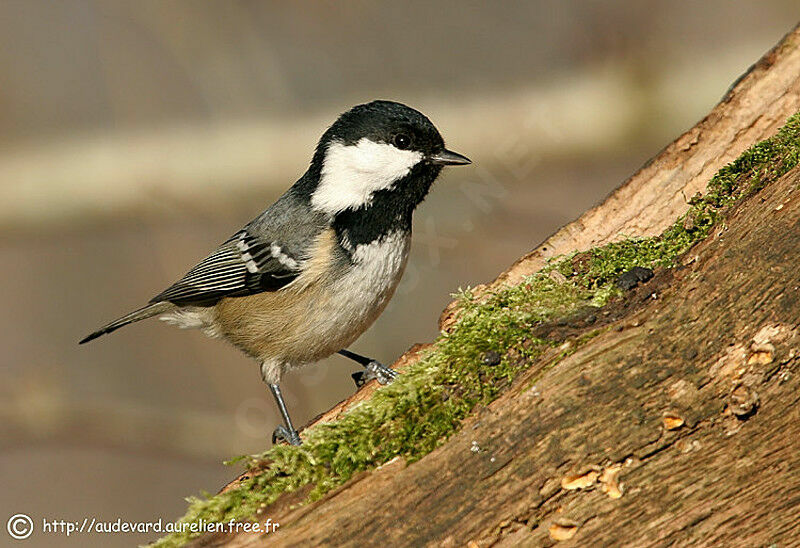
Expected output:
(762, 163)
(427, 404)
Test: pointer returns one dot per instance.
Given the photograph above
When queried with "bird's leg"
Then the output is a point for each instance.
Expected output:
(286, 431)
(372, 369)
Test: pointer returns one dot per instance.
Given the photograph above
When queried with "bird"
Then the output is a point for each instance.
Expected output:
(305, 278)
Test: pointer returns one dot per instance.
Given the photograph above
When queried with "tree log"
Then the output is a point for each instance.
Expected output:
(676, 423)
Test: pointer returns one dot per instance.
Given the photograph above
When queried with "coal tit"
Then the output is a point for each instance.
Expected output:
(309, 275)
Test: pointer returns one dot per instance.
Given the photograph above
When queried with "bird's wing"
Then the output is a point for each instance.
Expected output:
(249, 262)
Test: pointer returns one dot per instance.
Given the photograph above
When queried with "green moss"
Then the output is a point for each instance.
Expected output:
(764, 162)
(418, 412)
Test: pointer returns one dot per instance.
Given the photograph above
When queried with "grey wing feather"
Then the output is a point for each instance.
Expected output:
(245, 264)
(266, 255)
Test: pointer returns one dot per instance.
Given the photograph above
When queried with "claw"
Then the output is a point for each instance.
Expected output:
(374, 370)
(284, 434)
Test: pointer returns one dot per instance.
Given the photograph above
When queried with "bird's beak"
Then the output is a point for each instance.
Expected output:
(448, 158)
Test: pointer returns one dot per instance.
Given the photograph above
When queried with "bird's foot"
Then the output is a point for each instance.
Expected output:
(284, 434)
(374, 370)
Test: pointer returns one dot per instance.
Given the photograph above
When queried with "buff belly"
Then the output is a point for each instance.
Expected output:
(323, 311)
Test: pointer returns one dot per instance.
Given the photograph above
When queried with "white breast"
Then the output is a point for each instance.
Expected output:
(358, 297)
(377, 265)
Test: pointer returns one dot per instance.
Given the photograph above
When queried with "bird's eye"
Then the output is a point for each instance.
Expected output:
(402, 141)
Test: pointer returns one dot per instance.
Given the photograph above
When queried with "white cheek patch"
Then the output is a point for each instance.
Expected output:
(351, 174)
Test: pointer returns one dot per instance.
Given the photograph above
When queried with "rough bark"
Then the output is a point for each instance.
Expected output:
(677, 424)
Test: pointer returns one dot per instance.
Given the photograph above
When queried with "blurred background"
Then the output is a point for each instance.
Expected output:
(136, 136)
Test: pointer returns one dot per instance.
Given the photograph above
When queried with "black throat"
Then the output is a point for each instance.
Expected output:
(390, 210)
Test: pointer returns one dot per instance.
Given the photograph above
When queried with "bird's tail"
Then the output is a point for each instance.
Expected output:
(145, 312)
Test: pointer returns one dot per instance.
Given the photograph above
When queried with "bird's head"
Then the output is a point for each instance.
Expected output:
(381, 151)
